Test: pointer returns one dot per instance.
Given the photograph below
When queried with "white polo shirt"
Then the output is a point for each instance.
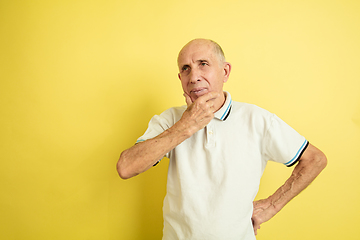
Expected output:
(214, 175)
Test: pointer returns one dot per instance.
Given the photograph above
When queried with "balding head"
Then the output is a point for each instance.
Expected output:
(200, 42)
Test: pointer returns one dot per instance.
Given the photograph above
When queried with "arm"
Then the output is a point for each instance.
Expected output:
(311, 163)
(142, 156)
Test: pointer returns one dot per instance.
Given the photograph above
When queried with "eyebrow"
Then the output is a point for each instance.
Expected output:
(198, 61)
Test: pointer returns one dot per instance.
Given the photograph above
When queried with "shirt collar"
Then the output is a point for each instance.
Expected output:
(224, 111)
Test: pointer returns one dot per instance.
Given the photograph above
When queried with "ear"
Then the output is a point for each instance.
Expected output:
(227, 70)
(179, 76)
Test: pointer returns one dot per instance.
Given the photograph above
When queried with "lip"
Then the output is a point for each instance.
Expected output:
(198, 91)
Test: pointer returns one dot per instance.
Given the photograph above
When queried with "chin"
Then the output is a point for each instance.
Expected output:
(195, 96)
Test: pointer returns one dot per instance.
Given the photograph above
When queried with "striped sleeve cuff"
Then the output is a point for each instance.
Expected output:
(296, 158)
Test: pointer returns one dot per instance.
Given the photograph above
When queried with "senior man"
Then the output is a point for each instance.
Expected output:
(218, 149)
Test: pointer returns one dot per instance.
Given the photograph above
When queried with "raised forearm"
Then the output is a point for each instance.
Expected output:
(144, 155)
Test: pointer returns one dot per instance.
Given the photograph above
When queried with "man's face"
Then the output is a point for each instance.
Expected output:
(200, 69)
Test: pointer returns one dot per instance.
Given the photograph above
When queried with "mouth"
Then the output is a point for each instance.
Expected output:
(198, 91)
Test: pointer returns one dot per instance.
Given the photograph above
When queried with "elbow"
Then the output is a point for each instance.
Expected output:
(320, 161)
(122, 168)
(313, 160)
(123, 174)
(324, 161)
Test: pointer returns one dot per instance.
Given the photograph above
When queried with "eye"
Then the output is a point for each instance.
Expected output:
(184, 68)
(203, 63)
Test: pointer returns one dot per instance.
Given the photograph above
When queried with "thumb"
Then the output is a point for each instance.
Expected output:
(187, 99)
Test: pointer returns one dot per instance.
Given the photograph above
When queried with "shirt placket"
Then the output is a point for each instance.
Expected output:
(210, 135)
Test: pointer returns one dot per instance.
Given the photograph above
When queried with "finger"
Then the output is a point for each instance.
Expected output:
(187, 99)
(256, 227)
(212, 107)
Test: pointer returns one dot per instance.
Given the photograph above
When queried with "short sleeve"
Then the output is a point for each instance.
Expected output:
(157, 125)
(282, 143)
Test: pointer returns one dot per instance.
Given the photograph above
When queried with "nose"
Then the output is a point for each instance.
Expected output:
(194, 76)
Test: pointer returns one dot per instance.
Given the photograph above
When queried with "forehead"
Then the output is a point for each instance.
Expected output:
(195, 51)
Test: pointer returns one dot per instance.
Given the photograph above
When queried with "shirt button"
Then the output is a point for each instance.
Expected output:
(211, 132)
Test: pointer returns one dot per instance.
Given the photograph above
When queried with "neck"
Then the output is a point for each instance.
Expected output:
(220, 101)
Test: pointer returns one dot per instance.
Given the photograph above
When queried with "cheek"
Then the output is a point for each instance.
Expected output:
(184, 85)
(217, 84)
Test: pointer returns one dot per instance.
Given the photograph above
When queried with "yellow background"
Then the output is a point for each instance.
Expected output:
(79, 81)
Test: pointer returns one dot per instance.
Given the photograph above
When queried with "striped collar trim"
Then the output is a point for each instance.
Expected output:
(224, 112)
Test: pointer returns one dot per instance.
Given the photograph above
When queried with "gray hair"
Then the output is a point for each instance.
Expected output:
(218, 50)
